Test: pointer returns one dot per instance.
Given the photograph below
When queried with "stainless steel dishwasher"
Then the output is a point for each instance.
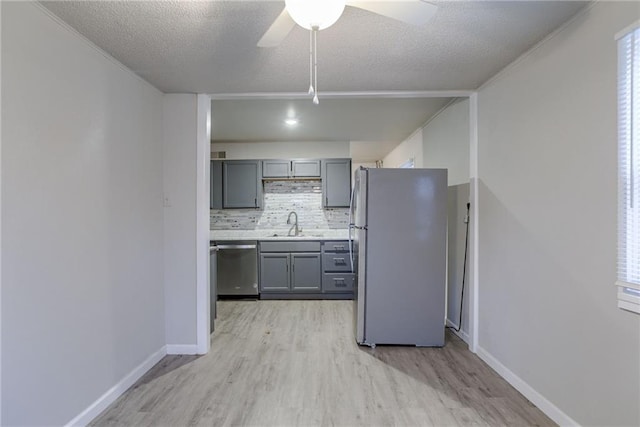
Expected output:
(237, 268)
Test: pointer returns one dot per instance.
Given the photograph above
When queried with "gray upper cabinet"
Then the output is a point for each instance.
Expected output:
(241, 184)
(291, 168)
(305, 168)
(215, 198)
(276, 168)
(336, 183)
(238, 183)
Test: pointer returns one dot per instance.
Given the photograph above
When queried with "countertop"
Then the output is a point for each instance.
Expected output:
(219, 235)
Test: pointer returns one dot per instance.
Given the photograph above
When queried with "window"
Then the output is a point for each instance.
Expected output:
(409, 164)
(629, 169)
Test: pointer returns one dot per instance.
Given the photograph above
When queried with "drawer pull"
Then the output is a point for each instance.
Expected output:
(339, 282)
(339, 261)
(338, 247)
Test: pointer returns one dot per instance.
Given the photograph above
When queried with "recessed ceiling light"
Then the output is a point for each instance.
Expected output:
(291, 122)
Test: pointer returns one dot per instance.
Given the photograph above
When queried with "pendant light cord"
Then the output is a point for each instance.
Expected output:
(315, 64)
(311, 89)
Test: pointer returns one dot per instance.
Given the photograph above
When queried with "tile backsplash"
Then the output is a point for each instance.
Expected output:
(280, 198)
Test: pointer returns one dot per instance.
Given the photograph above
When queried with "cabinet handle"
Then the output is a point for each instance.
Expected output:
(339, 282)
(339, 261)
(255, 203)
(326, 201)
(338, 248)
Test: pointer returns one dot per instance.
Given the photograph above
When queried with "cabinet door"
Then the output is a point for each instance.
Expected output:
(274, 272)
(305, 272)
(240, 183)
(215, 201)
(275, 168)
(305, 168)
(336, 183)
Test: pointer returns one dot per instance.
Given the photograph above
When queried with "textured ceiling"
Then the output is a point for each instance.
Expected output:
(341, 119)
(210, 46)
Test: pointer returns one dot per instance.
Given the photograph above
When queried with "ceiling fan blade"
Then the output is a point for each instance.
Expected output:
(414, 12)
(278, 31)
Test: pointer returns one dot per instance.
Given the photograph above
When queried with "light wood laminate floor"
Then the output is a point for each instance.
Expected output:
(296, 363)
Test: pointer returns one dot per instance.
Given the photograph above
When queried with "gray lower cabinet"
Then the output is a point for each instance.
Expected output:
(336, 183)
(306, 268)
(284, 270)
(305, 272)
(337, 274)
(274, 272)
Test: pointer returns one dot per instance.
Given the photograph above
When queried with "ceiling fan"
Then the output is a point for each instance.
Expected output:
(316, 15)
(324, 13)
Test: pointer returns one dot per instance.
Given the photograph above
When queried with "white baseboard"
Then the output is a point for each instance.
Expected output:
(551, 410)
(86, 416)
(464, 336)
(182, 349)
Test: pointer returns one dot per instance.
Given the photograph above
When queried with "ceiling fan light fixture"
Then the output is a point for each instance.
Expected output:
(319, 14)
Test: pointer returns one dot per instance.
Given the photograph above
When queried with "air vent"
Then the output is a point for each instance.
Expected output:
(218, 154)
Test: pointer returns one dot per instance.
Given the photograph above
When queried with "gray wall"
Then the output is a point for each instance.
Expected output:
(180, 157)
(547, 170)
(82, 295)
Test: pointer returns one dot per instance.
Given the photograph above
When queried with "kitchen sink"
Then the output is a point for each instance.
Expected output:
(301, 235)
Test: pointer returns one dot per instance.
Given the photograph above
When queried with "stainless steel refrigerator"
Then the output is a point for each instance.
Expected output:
(399, 237)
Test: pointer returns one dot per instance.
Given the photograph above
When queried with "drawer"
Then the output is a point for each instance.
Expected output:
(336, 262)
(290, 246)
(337, 246)
(337, 282)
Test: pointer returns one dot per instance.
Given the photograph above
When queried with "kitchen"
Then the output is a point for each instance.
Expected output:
(122, 196)
(289, 200)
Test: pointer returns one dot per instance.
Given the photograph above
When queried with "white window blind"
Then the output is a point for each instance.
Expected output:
(629, 170)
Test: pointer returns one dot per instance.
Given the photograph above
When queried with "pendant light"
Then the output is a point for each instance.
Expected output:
(314, 15)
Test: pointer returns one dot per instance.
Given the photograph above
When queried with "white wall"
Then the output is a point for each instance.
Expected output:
(82, 295)
(180, 159)
(547, 169)
(356, 166)
(445, 142)
(458, 197)
(282, 150)
(410, 148)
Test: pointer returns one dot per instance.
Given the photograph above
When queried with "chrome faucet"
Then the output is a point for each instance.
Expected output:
(295, 224)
